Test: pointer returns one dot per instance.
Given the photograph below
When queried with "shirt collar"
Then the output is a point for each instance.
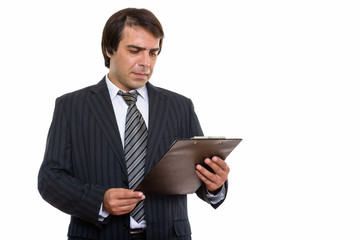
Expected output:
(113, 90)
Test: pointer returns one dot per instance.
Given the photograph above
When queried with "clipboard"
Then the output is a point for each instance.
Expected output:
(175, 171)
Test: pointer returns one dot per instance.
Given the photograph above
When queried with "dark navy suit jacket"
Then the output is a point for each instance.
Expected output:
(84, 157)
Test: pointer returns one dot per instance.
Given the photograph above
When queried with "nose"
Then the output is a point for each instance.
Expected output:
(144, 59)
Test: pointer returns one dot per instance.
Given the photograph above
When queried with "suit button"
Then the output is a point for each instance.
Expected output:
(126, 227)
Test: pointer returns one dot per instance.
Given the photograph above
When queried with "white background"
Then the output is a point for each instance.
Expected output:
(282, 75)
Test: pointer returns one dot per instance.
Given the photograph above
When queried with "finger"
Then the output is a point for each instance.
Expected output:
(219, 167)
(210, 185)
(214, 166)
(220, 163)
(120, 210)
(128, 201)
(215, 180)
(122, 193)
(121, 206)
(203, 178)
(118, 200)
(225, 170)
(135, 194)
(217, 170)
(206, 173)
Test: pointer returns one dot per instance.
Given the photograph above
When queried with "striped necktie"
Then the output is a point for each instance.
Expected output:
(135, 148)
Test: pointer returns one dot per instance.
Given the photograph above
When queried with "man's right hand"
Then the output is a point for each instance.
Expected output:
(119, 201)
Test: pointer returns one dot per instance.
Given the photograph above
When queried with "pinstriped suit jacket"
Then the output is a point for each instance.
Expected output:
(84, 157)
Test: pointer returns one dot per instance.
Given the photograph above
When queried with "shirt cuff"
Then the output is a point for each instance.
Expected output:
(214, 199)
(102, 214)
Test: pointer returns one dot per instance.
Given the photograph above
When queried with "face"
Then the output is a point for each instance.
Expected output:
(131, 66)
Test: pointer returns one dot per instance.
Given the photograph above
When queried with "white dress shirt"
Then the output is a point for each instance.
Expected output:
(120, 108)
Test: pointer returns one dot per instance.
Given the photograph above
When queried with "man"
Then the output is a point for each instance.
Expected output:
(87, 170)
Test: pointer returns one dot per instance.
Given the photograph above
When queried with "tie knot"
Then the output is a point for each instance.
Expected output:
(130, 98)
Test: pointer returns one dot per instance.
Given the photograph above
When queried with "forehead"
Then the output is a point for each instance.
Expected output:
(139, 36)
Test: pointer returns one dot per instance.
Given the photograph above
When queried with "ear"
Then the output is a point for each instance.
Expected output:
(108, 54)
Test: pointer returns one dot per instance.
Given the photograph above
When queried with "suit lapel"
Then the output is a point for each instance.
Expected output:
(101, 106)
(158, 113)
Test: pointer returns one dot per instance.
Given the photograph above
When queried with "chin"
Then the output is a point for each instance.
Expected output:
(138, 83)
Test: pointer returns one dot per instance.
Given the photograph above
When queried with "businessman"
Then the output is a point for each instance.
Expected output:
(105, 138)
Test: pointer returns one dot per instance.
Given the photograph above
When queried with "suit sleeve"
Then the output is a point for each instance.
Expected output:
(56, 181)
(196, 130)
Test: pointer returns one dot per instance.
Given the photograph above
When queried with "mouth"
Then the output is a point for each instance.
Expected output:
(140, 75)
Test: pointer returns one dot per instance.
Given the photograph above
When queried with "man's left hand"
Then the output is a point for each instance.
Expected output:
(213, 181)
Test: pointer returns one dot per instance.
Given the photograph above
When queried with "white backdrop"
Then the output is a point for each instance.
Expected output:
(282, 75)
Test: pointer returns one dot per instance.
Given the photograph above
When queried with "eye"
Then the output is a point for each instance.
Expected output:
(134, 51)
(153, 53)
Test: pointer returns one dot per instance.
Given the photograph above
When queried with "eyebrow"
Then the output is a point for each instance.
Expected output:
(141, 48)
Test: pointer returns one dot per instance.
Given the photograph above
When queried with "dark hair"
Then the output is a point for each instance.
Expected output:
(112, 33)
